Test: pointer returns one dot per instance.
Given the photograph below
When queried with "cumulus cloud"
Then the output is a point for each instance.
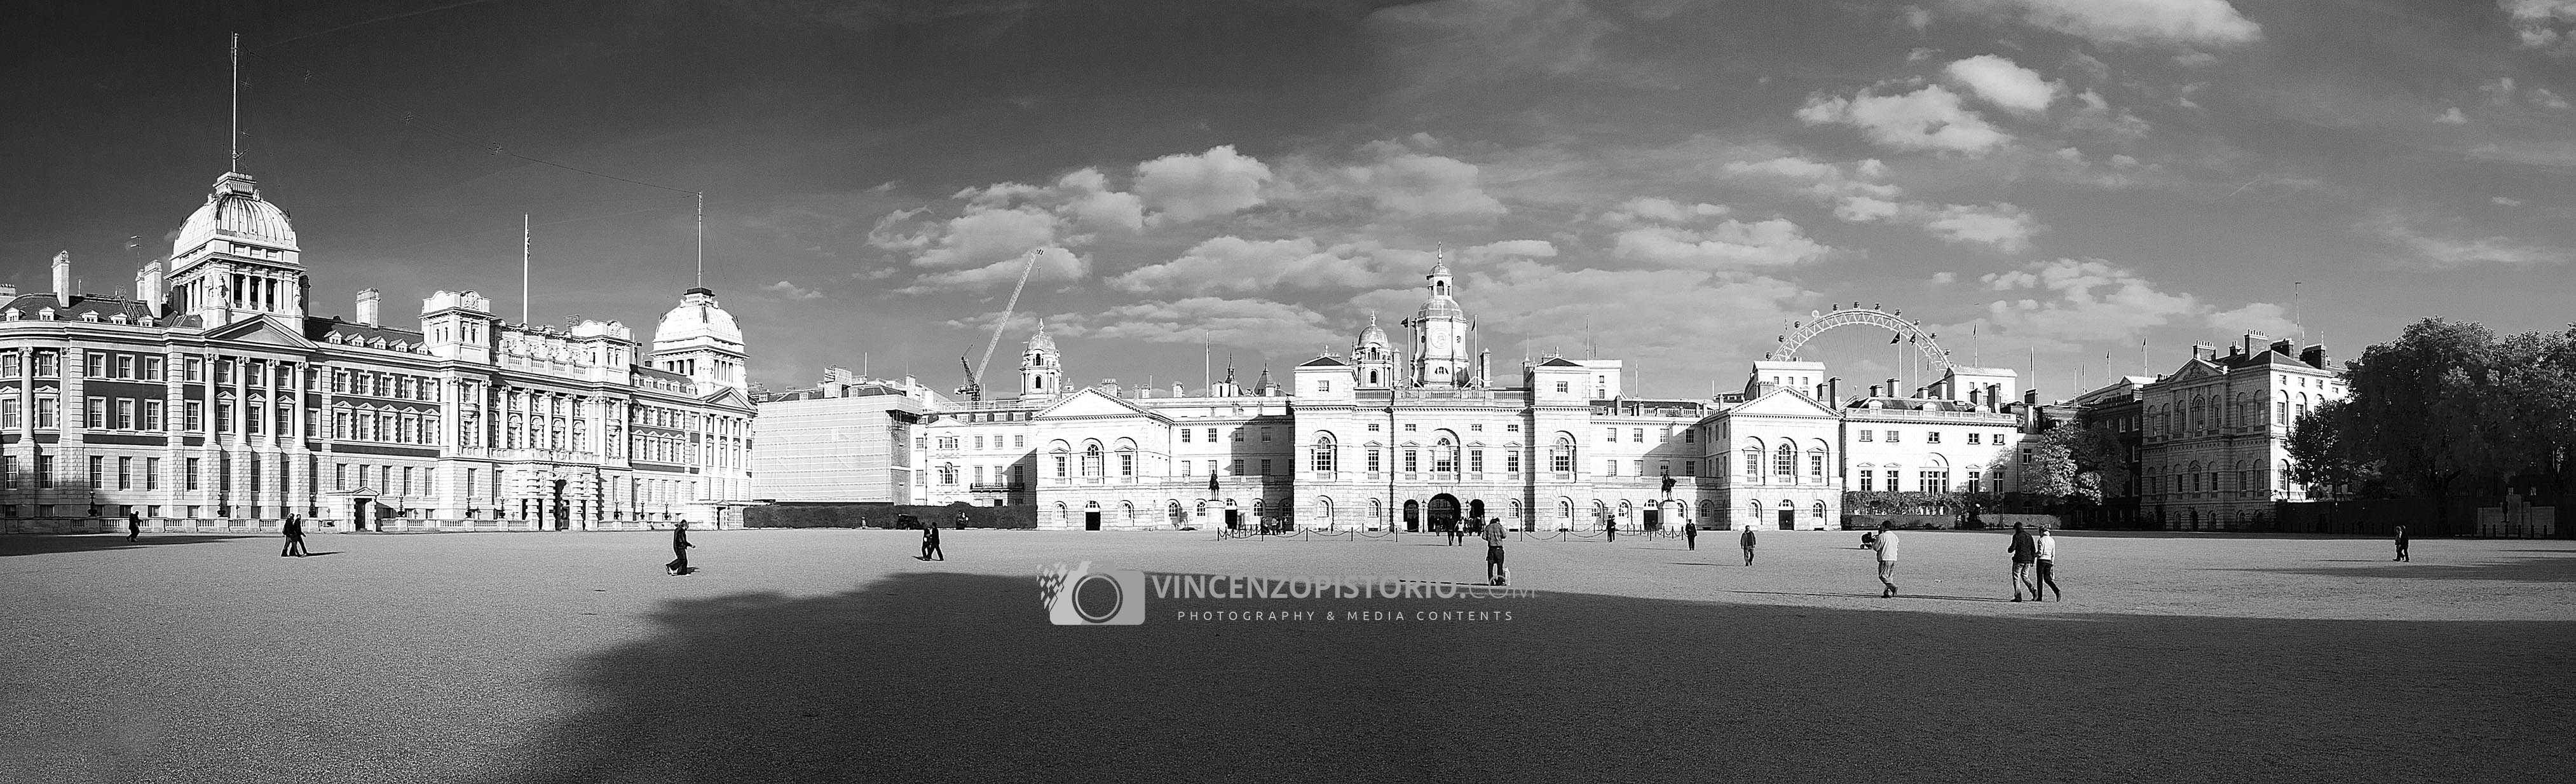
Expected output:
(1823, 180)
(2206, 23)
(1659, 209)
(2541, 24)
(2055, 305)
(1926, 119)
(1278, 328)
(1235, 264)
(1526, 249)
(1054, 265)
(786, 290)
(2452, 117)
(2082, 300)
(1185, 187)
(2505, 201)
(2503, 92)
(1729, 245)
(1402, 178)
(981, 235)
(2003, 83)
(2426, 250)
(2000, 226)
(2096, 116)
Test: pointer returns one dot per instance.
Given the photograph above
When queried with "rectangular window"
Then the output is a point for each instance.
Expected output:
(1236, 468)
(47, 417)
(1185, 435)
(1973, 438)
(1412, 460)
(1690, 468)
(124, 366)
(47, 363)
(193, 369)
(93, 364)
(979, 442)
(97, 471)
(1373, 465)
(1560, 387)
(1475, 461)
(94, 413)
(1637, 467)
(1612, 436)
(1476, 428)
(1891, 436)
(152, 368)
(44, 471)
(1868, 477)
(1689, 435)
(1637, 435)
(190, 478)
(152, 410)
(1976, 481)
(1610, 468)
(1932, 437)
(1211, 468)
(124, 413)
(195, 413)
(9, 363)
(1865, 435)
(152, 473)
(1238, 435)
(1511, 461)
(1373, 427)
(1265, 438)
(10, 413)
(1019, 442)
(223, 417)
(1211, 434)
(1816, 467)
(223, 371)
(1265, 468)
(125, 473)
(1663, 468)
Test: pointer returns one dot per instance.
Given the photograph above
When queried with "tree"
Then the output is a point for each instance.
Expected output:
(2075, 463)
(2321, 453)
(2446, 408)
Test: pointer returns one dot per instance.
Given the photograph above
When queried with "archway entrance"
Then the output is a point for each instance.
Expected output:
(1476, 514)
(1444, 512)
(1412, 515)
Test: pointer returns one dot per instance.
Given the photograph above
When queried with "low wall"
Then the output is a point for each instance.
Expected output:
(1854, 522)
(883, 515)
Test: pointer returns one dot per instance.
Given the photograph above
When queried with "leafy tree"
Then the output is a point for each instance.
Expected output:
(2445, 409)
(2075, 463)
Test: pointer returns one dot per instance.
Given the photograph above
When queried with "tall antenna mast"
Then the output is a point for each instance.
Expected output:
(2296, 319)
(525, 293)
(234, 139)
(701, 280)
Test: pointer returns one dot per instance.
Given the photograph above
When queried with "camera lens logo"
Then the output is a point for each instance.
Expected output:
(1082, 597)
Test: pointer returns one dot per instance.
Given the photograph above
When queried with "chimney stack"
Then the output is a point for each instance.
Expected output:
(2253, 339)
(148, 288)
(1893, 390)
(8, 291)
(1834, 391)
(2286, 348)
(2314, 356)
(1109, 386)
(367, 306)
(2204, 352)
(2032, 397)
(1873, 390)
(63, 278)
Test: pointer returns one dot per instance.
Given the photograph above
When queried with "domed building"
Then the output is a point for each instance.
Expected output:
(213, 398)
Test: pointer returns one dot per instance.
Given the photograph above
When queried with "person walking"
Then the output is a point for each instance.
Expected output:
(133, 526)
(679, 550)
(1494, 571)
(1610, 527)
(2047, 564)
(1690, 535)
(930, 542)
(1748, 544)
(1885, 545)
(2024, 552)
(2401, 545)
(294, 538)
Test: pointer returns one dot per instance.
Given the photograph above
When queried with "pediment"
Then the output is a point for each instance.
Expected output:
(260, 330)
(1091, 403)
(1782, 402)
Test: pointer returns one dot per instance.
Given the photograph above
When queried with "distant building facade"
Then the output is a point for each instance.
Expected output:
(213, 398)
(2215, 447)
(847, 439)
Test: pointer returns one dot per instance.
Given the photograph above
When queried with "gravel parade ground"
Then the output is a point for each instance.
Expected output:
(822, 655)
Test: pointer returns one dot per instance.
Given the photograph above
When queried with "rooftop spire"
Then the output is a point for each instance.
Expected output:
(233, 139)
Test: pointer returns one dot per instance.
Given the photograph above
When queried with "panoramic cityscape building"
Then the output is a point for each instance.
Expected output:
(214, 396)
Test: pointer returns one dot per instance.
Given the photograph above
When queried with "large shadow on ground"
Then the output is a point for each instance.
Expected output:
(2545, 569)
(40, 544)
(959, 678)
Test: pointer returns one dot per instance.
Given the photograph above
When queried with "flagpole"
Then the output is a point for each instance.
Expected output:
(525, 293)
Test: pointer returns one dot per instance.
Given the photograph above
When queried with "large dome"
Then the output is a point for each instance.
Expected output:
(1373, 336)
(698, 316)
(235, 210)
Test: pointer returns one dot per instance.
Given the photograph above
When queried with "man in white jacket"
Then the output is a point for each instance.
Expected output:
(1885, 544)
(2047, 562)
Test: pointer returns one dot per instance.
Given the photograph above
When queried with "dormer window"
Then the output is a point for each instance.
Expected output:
(45, 315)
(91, 317)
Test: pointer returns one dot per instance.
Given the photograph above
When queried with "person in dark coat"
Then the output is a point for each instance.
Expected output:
(679, 549)
(133, 527)
(2401, 545)
(1748, 545)
(2025, 554)
(1690, 535)
(294, 538)
(930, 541)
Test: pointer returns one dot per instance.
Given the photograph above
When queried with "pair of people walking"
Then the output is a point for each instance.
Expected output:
(680, 545)
(1884, 544)
(930, 540)
(2029, 553)
(1494, 536)
(294, 537)
(2401, 545)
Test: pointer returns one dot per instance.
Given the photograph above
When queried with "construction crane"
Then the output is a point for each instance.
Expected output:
(974, 388)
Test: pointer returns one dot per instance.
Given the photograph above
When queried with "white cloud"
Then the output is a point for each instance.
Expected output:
(2082, 300)
(1280, 329)
(2430, 251)
(1824, 180)
(2001, 226)
(1506, 249)
(2261, 318)
(1666, 316)
(1189, 187)
(786, 290)
(1090, 201)
(1235, 264)
(1728, 245)
(2502, 92)
(1658, 209)
(2097, 116)
(1944, 278)
(2543, 98)
(2209, 23)
(979, 236)
(1407, 182)
(1926, 119)
(2452, 117)
(2003, 83)
(2540, 23)
(1055, 265)
(2505, 201)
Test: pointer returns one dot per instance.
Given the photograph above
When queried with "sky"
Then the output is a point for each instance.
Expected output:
(2075, 188)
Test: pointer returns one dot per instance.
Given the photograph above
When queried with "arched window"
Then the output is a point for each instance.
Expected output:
(1601, 512)
(1753, 461)
(1063, 458)
(1377, 510)
(1560, 458)
(1753, 515)
(1127, 513)
(1324, 510)
(1817, 511)
(948, 473)
(1816, 463)
(1324, 454)
(1091, 460)
(1063, 514)
(1173, 511)
(1444, 456)
(1564, 509)
(1126, 457)
(1784, 462)
(1516, 511)
(1627, 511)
